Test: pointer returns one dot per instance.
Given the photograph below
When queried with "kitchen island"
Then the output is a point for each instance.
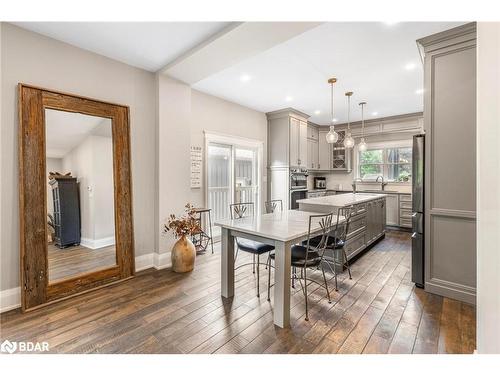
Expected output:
(367, 224)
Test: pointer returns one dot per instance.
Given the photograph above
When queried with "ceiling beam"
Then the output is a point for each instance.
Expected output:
(234, 44)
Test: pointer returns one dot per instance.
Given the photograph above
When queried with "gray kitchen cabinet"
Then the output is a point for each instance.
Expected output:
(333, 157)
(366, 227)
(405, 211)
(312, 154)
(392, 209)
(294, 142)
(324, 162)
(312, 132)
(298, 143)
(450, 162)
(340, 156)
(287, 144)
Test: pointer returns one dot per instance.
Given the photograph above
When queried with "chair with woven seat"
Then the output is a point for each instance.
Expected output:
(336, 241)
(240, 211)
(307, 256)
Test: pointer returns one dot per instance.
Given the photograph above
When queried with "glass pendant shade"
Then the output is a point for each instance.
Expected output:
(332, 136)
(348, 141)
(362, 145)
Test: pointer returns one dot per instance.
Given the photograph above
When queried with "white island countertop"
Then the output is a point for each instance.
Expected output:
(340, 200)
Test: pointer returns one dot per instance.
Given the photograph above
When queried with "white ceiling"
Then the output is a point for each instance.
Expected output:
(146, 45)
(66, 130)
(368, 58)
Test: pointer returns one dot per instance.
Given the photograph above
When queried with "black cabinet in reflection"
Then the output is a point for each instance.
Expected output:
(66, 211)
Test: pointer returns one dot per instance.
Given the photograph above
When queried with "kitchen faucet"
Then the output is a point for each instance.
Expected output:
(354, 184)
(383, 183)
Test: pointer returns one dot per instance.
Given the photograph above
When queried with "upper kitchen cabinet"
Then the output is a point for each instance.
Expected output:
(333, 157)
(288, 146)
(312, 131)
(312, 147)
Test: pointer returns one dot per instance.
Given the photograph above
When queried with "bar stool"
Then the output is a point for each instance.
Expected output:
(201, 239)
(240, 211)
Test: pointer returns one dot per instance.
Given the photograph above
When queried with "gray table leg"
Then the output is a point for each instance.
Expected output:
(227, 264)
(282, 284)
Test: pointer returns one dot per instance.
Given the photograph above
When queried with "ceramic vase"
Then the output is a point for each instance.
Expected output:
(183, 255)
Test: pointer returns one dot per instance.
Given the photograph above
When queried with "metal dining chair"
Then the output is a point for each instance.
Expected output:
(239, 211)
(337, 242)
(309, 256)
(274, 206)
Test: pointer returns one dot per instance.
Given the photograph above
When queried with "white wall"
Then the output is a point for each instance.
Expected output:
(488, 187)
(91, 162)
(103, 188)
(79, 162)
(184, 115)
(31, 58)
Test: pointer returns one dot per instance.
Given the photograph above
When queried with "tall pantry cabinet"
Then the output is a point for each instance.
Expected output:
(450, 162)
(287, 148)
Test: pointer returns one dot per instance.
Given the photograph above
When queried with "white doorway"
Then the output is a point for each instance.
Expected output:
(233, 167)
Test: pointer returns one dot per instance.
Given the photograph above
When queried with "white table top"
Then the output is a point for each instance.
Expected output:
(281, 226)
(341, 200)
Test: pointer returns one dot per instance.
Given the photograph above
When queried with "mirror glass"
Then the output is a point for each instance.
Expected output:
(80, 194)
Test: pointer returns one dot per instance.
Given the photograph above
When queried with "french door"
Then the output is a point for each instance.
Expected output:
(232, 177)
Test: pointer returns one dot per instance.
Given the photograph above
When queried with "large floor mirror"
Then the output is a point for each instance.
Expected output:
(75, 196)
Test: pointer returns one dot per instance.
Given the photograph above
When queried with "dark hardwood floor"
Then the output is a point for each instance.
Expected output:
(378, 311)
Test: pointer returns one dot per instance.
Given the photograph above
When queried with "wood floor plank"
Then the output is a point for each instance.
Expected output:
(377, 311)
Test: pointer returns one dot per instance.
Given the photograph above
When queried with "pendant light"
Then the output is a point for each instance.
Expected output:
(332, 136)
(362, 143)
(348, 140)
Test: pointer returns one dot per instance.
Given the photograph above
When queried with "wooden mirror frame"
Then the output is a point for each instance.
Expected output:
(35, 288)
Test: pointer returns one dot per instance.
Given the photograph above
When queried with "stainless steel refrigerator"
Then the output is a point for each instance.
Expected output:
(417, 237)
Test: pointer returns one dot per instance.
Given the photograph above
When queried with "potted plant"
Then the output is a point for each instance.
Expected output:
(183, 253)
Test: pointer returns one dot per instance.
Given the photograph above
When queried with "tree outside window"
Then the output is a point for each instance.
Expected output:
(393, 163)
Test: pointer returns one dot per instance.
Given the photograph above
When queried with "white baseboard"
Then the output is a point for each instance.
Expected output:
(97, 244)
(162, 261)
(143, 262)
(10, 299)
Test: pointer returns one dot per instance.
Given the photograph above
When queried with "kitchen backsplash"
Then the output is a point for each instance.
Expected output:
(343, 181)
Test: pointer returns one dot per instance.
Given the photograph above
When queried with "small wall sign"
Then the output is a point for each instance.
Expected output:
(196, 165)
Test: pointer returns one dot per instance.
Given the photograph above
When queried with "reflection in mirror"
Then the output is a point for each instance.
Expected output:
(80, 194)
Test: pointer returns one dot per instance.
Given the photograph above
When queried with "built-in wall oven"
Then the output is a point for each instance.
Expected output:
(298, 186)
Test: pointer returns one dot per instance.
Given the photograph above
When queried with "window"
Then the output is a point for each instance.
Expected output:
(393, 163)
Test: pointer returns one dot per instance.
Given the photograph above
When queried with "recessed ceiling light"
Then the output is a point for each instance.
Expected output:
(288, 99)
(374, 113)
(390, 23)
(245, 78)
(317, 112)
(410, 66)
(419, 91)
(335, 120)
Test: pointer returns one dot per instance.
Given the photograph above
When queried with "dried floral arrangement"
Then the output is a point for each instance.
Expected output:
(186, 225)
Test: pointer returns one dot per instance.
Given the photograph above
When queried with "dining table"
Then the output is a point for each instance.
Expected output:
(281, 229)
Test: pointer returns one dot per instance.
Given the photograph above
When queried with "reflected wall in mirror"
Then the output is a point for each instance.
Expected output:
(80, 194)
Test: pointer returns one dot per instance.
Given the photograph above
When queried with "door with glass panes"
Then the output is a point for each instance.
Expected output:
(232, 177)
